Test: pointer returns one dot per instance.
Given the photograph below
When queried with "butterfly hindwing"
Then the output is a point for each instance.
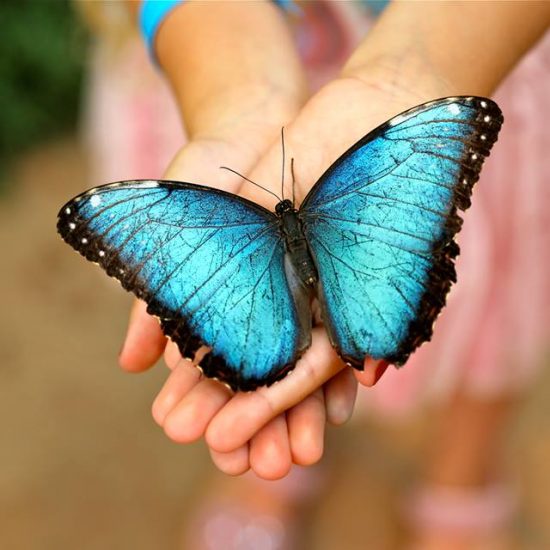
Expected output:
(380, 225)
(209, 264)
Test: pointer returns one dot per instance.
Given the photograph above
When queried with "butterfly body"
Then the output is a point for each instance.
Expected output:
(373, 240)
(296, 243)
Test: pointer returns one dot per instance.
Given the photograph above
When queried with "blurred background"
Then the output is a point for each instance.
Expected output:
(82, 464)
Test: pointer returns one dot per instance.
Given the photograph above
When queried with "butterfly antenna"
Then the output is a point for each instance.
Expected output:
(283, 169)
(250, 181)
(293, 180)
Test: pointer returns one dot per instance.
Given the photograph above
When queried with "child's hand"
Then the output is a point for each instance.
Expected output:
(416, 56)
(269, 429)
(188, 403)
(237, 80)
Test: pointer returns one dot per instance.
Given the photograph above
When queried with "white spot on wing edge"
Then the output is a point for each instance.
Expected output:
(149, 183)
(95, 200)
(67, 210)
(399, 119)
(453, 108)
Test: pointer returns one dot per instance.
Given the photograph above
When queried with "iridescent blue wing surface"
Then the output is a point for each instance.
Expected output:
(380, 225)
(209, 264)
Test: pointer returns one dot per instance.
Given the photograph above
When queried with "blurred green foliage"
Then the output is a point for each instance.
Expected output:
(41, 65)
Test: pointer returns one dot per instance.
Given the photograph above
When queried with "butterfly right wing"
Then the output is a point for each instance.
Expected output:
(209, 264)
(381, 224)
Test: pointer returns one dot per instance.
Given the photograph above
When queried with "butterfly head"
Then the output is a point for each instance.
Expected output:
(284, 206)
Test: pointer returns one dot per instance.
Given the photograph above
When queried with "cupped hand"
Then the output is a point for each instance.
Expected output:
(269, 429)
(188, 402)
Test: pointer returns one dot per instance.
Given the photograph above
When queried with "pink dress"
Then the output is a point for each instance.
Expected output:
(490, 338)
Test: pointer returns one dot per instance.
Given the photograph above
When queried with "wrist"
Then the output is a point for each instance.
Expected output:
(409, 79)
(456, 48)
(230, 62)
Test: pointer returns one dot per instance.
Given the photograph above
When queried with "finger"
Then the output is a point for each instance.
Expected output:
(373, 371)
(270, 450)
(183, 378)
(306, 429)
(340, 394)
(172, 355)
(234, 425)
(144, 342)
(234, 463)
(188, 420)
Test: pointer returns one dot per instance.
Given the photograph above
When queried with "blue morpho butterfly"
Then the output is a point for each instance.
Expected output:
(373, 240)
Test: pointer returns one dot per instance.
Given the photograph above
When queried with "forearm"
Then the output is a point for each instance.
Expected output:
(227, 60)
(470, 46)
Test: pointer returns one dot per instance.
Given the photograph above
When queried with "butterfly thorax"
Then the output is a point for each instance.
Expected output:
(296, 243)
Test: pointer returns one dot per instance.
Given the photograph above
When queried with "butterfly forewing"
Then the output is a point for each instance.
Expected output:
(380, 225)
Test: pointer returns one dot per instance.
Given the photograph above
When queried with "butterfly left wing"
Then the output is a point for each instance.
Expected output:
(380, 225)
(209, 264)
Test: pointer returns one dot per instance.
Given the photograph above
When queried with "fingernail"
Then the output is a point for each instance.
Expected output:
(380, 370)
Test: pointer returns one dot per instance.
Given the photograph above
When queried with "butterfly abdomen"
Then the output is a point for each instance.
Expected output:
(296, 246)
